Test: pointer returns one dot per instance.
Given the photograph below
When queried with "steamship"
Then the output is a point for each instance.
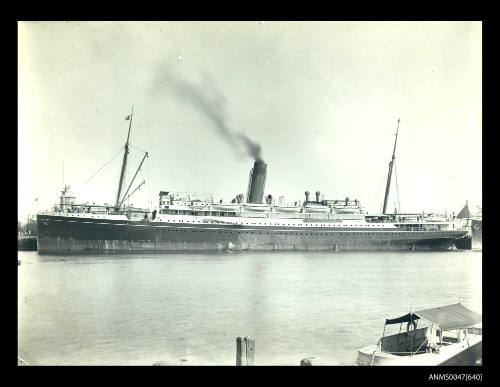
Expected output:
(188, 221)
(475, 221)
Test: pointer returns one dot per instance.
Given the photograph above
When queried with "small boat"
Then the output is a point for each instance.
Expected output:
(292, 209)
(316, 208)
(226, 206)
(436, 218)
(259, 207)
(450, 335)
(346, 210)
(345, 206)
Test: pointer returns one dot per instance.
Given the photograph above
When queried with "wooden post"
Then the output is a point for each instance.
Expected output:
(313, 361)
(245, 350)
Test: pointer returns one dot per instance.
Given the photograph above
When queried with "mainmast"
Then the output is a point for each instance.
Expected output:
(390, 172)
(132, 181)
(124, 165)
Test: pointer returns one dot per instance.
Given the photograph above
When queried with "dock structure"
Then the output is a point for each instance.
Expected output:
(27, 243)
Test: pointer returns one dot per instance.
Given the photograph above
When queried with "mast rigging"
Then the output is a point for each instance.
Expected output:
(391, 164)
(130, 185)
(124, 164)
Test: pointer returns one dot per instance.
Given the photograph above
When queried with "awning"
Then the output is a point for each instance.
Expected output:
(447, 317)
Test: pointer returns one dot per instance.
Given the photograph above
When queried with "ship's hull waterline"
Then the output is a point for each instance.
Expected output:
(60, 234)
(461, 354)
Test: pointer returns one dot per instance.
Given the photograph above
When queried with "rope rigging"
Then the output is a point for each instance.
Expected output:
(139, 149)
(125, 173)
(125, 198)
(397, 187)
(377, 193)
(151, 178)
(99, 170)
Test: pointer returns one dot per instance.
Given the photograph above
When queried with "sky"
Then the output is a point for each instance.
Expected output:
(318, 101)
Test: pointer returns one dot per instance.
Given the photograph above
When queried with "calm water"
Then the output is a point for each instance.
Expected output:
(189, 308)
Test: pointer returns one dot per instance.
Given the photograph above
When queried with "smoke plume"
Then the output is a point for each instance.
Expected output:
(211, 103)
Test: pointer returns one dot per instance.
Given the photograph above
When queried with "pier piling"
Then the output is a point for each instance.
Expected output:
(313, 361)
(245, 351)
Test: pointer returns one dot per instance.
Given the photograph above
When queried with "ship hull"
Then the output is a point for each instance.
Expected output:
(27, 243)
(477, 232)
(461, 354)
(60, 234)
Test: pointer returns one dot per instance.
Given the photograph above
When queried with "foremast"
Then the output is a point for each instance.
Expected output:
(124, 164)
(391, 164)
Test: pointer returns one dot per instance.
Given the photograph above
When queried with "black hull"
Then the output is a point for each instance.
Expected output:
(477, 232)
(464, 243)
(60, 234)
(27, 243)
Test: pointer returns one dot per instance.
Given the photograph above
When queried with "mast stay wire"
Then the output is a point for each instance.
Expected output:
(237, 187)
(139, 172)
(144, 178)
(150, 177)
(106, 164)
(133, 146)
(148, 189)
(99, 170)
(397, 187)
(378, 190)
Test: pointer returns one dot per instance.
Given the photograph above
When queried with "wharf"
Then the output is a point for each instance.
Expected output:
(27, 243)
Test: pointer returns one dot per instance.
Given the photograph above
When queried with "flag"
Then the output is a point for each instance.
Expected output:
(127, 118)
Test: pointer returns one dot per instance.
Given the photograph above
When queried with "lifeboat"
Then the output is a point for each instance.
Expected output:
(436, 219)
(199, 207)
(346, 210)
(289, 209)
(226, 206)
(316, 208)
(257, 207)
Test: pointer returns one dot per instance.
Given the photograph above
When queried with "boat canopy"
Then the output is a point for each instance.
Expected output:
(447, 317)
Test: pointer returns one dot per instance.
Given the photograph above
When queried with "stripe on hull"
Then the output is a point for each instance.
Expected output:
(57, 234)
